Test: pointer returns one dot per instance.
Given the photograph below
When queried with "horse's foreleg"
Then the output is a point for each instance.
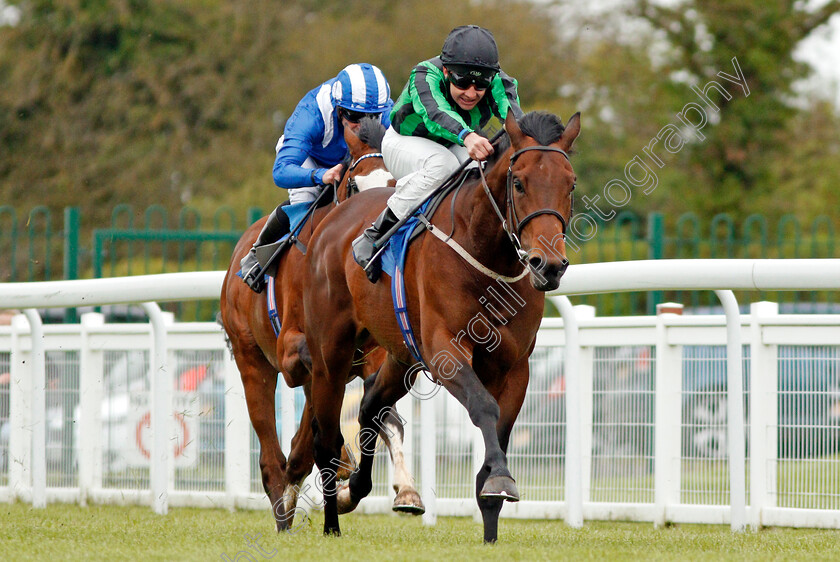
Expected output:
(260, 382)
(377, 417)
(484, 414)
(378, 409)
(407, 498)
(327, 397)
(510, 398)
(462, 383)
(328, 442)
(299, 464)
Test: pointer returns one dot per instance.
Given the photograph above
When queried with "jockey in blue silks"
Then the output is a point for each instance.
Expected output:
(311, 151)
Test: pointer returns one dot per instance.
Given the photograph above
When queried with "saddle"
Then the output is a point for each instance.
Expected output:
(420, 215)
(433, 201)
(268, 255)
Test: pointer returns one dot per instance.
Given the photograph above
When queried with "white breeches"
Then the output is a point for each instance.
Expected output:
(419, 165)
(303, 194)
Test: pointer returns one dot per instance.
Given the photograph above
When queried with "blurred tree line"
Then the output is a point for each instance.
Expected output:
(156, 102)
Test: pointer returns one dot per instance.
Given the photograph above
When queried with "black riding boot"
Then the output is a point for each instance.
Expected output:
(364, 247)
(274, 228)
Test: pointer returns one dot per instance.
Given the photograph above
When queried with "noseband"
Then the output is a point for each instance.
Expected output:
(514, 226)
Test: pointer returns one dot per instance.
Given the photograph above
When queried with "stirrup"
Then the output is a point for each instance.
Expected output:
(364, 252)
(252, 277)
(254, 280)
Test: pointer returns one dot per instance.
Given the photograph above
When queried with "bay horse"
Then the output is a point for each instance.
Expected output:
(475, 318)
(260, 354)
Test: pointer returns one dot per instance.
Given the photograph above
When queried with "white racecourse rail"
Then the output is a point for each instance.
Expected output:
(631, 433)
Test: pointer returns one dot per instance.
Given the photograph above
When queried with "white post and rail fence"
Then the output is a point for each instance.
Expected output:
(756, 478)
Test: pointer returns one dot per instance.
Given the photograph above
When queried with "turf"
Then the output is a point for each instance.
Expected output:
(70, 532)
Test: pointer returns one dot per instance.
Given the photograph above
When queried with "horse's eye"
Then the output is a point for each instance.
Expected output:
(574, 186)
(517, 185)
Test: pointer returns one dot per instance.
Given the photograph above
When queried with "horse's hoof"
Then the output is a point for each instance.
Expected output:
(285, 521)
(344, 501)
(332, 531)
(500, 487)
(408, 501)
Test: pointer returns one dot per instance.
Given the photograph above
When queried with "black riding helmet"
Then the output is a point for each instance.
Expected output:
(471, 46)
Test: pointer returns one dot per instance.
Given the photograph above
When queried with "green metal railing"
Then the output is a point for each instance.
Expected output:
(29, 246)
(155, 241)
(690, 237)
(151, 241)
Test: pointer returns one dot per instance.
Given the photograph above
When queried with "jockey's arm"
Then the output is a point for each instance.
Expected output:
(288, 170)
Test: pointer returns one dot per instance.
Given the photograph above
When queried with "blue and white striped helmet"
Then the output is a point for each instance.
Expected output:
(361, 87)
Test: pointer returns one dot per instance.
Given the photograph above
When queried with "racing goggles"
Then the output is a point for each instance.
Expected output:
(356, 116)
(464, 78)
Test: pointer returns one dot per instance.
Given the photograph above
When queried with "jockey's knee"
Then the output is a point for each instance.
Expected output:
(303, 194)
(440, 165)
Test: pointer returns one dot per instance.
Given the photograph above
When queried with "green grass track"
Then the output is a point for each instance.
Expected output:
(70, 532)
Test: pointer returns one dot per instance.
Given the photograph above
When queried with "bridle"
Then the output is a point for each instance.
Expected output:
(512, 225)
(352, 187)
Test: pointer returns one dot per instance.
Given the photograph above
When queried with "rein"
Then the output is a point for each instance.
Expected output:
(506, 225)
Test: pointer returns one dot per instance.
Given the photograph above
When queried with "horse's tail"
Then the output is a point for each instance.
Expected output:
(224, 331)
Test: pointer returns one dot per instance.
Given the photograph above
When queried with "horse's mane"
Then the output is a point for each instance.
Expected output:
(371, 132)
(542, 126)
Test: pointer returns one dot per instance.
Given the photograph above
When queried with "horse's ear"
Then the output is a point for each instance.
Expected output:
(571, 133)
(513, 130)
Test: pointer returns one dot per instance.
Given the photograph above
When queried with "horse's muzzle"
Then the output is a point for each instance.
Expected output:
(545, 275)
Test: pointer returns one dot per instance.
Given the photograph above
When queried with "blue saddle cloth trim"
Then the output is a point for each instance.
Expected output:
(271, 302)
(393, 263)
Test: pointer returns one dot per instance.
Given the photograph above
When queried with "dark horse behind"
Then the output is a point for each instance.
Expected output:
(475, 318)
(260, 354)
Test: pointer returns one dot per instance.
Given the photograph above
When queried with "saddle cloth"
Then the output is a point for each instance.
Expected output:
(393, 256)
(393, 263)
